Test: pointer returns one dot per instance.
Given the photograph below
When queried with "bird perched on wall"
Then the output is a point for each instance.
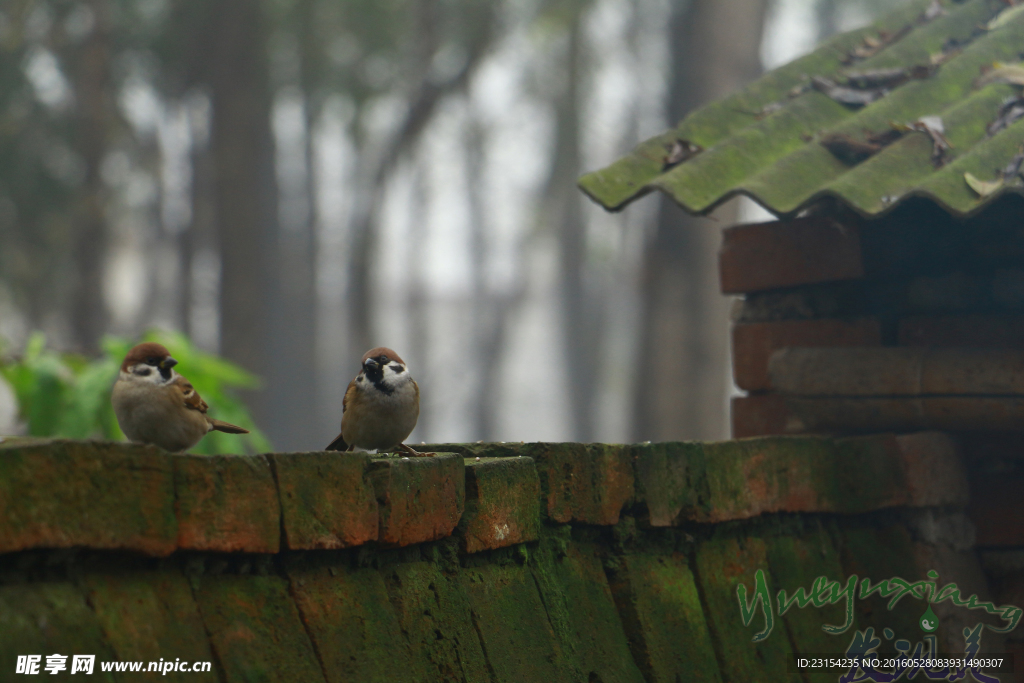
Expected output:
(156, 405)
(381, 405)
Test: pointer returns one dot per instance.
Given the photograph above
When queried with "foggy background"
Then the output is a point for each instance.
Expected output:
(292, 182)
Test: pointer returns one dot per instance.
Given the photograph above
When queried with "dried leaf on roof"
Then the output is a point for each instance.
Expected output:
(1003, 73)
(887, 78)
(678, 152)
(1012, 169)
(852, 97)
(983, 188)
(1005, 17)
(933, 128)
(872, 45)
(852, 151)
(1011, 110)
(933, 11)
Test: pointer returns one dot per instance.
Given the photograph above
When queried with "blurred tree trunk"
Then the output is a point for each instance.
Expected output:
(682, 382)
(293, 333)
(95, 115)
(244, 187)
(563, 208)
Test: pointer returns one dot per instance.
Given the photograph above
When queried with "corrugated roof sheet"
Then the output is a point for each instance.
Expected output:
(765, 140)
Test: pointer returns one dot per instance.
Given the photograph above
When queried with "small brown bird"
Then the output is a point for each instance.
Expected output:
(156, 405)
(380, 407)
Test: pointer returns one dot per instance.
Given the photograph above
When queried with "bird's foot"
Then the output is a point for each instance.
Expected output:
(415, 453)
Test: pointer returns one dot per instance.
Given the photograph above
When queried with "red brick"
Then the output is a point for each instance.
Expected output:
(327, 502)
(61, 494)
(907, 413)
(996, 509)
(1000, 332)
(588, 483)
(897, 371)
(226, 503)
(754, 343)
(761, 415)
(751, 477)
(788, 253)
(502, 503)
(421, 499)
(669, 480)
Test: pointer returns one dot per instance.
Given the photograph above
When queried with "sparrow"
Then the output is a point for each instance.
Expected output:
(381, 405)
(156, 405)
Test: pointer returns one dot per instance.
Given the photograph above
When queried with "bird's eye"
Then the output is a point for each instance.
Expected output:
(152, 360)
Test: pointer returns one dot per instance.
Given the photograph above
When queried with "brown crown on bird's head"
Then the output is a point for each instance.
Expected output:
(382, 351)
(145, 353)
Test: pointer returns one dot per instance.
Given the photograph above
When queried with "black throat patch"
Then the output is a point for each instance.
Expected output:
(376, 376)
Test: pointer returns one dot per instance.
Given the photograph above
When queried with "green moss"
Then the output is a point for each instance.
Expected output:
(796, 562)
(581, 610)
(67, 493)
(352, 624)
(149, 615)
(663, 617)
(671, 481)
(434, 612)
(49, 618)
(255, 628)
(881, 553)
(511, 621)
(502, 503)
(722, 563)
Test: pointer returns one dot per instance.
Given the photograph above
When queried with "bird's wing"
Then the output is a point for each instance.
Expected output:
(194, 402)
(339, 442)
(189, 395)
(348, 392)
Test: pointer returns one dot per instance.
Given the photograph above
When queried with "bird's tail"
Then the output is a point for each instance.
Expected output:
(227, 427)
(337, 445)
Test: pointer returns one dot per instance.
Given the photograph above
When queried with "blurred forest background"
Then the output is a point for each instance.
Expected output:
(291, 182)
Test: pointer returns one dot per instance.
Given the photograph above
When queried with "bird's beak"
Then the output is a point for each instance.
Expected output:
(370, 363)
(168, 363)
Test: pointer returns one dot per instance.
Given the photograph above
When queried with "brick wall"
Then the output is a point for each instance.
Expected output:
(488, 562)
(912, 321)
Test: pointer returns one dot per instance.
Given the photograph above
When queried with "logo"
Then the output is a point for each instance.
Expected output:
(861, 657)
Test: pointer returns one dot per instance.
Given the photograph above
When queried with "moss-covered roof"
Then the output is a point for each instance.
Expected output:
(765, 141)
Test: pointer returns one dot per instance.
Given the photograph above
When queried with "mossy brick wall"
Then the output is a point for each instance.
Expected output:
(909, 321)
(486, 563)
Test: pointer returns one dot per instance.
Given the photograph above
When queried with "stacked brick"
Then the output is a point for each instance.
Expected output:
(912, 321)
(487, 562)
(915, 321)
